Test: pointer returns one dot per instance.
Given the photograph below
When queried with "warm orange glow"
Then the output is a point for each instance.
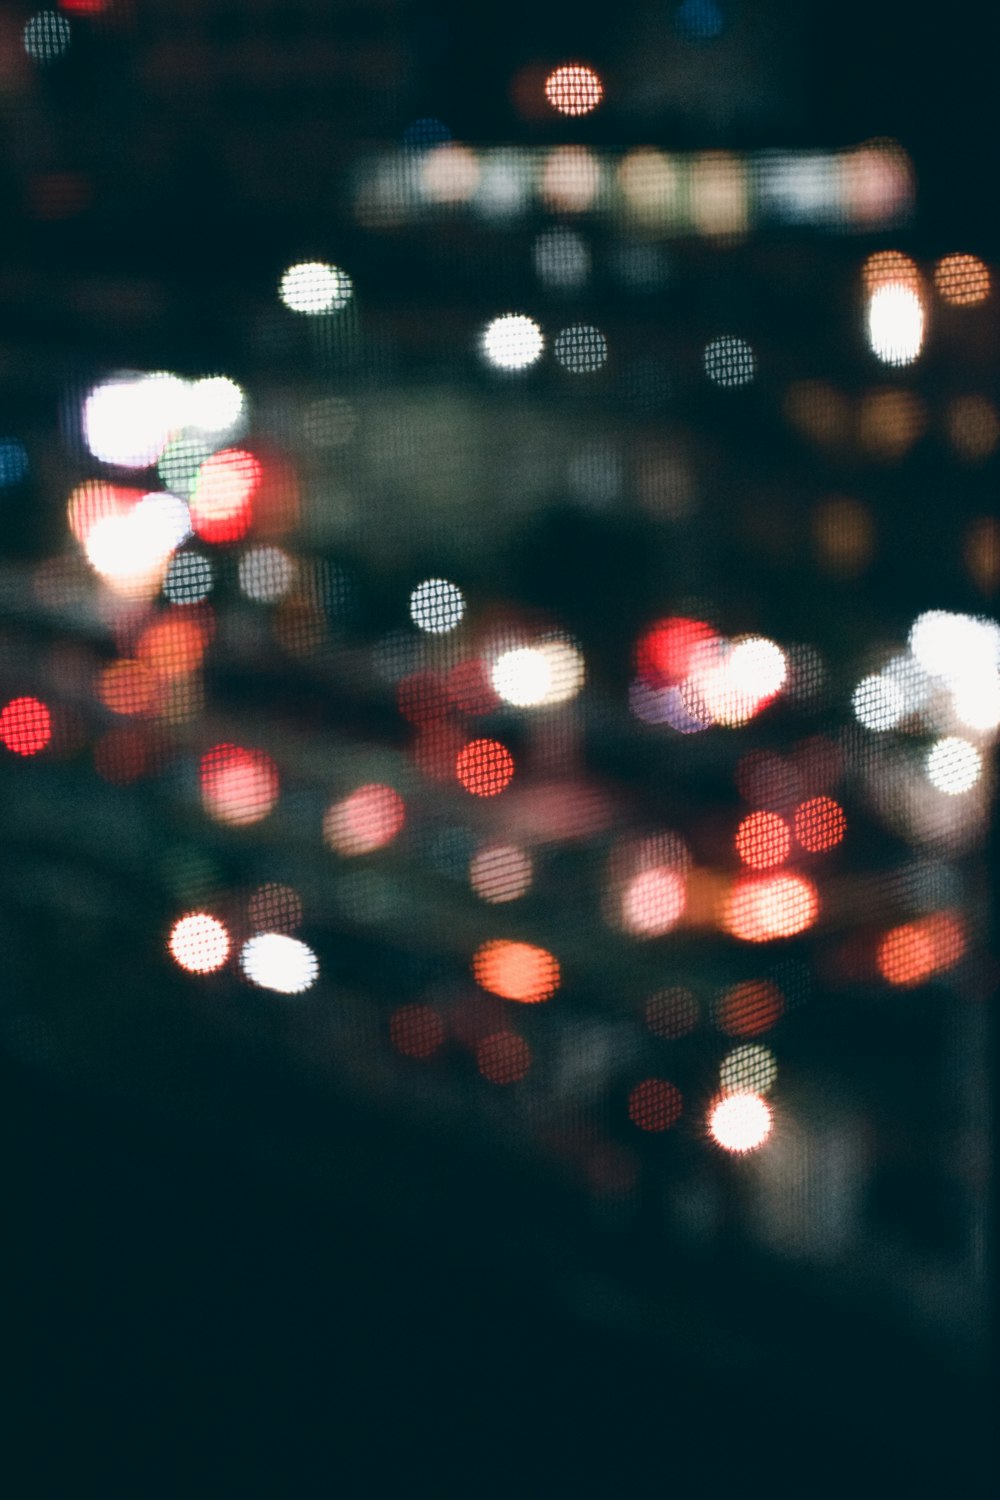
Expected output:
(516, 971)
(367, 819)
(820, 824)
(174, 643)
(962, 279)
(890, 268)
(760, 909)
(654, 1104)
(503, 1057)
(127, 687)
(574, 89)
(222, 503)
(844, 536)
(763, 840)
(740, 1122)
(238, 786)
(653, 902)
(484, 767)
(913, 953)
(25, 726)
(664, 652)
(750, 1008)
(672, 1013)
(199, 943)
(416, 1030)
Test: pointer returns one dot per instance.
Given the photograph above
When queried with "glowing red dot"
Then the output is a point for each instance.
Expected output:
(664, 652)
(516, 971)
(416, 1030)
(763, 840)
(238, 786)
(820, 824)
(25, 726)
(750, 1008)
(762, 908)
(654, 1104)
(484, 767)
(503, 1057)
(222, 503)
(367, 819)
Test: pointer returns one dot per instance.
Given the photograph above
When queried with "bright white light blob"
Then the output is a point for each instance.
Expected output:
(199, 943)
(751, 1068)
(976, 702)
(731, 681)
(46, 36)
(535, 676)
(512, 342)
(130, 550)
(274, 961)
(266, 574)
(740, 1122)
(950, 645)
(314, 287)
(189, 578)
(129, 422)
(437, 606)
(895, 324)
(729, 361)
(216, 405)
(953, 765)
(879, 702)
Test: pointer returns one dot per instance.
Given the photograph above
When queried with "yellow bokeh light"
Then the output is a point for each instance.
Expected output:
(962, 280)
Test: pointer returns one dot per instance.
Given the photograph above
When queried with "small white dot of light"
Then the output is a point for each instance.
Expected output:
(180, 461)
(751, 1068)
(266, 574)
(953, 765)
(581, 348)
(512, 342)
(729, 361)
(314, 287)
(740, 1122)
(734, 683)
(561, 258)
(895, 324)
(533, 676)
(189, 578)
(878, 702)
(217, 405)
(976, 702)
(949, 645)
(274, 961)
(129, 422)
(437, 606)
(46, 36)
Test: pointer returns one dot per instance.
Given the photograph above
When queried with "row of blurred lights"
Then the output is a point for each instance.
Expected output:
(896, 299)
(715, 194)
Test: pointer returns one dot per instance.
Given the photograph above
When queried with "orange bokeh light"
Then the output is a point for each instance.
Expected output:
(238, 786)
(962, 280)
(916, 951)
(760, 909)
(574, 89)
(174, 643)
(655, 1104)
(416, 1030)
(890, 268)
(222, 503)
(749, 1008)
(127, 687)
(763, 840)
(484, 767)
(516, 971)
(25, 726)
(364, 821)
(199, 943)
(503, 1057)
(820, 824)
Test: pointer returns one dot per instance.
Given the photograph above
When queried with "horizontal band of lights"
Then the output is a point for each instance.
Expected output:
(711, 194)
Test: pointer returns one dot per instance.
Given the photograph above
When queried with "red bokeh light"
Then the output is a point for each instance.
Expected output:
(422, 698)
(222, 503)
(655, 1104)
(664, 652)
(484, 767)
(416, 1030)
(367, 819)
(173, 645)
(25, 726)
(503, 1057)
(470, 688)
(763, 840)
(820, 824)
(761, 909)
(85, 7)
(749, 1008)
(516, 971)
(916, 951)
(238, 786)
